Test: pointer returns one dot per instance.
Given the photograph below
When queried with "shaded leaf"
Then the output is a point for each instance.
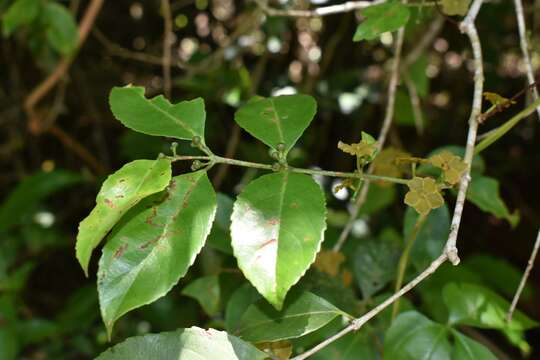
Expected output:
(455, 7)
(329, 262)
(413, 336)
(302, 313)
(220, 237)
(388, 16)
(277, 120)
(386, 163)
(478, 306)
(353, 346)
(30, 192)
(61, 28)
(379, 197)
(206, 291)
(21, 12)
(119, 192)
(484, 192)
(157, 116)
(277, 228)
(466, 348)
(238, 304)
(375, 262)
(184, 344)
(430, 239)
(154, 245)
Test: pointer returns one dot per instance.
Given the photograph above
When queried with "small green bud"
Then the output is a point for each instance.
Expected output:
(273, 154)
(276, 166)
(197, 164)
(196, 141)
(280, 147)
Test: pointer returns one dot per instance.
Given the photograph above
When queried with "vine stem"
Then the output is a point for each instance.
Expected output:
(215, 159)
(523, 281)
(404, 259)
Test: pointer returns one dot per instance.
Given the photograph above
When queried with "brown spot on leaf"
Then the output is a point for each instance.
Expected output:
(120, 251)
(269, 242)
(294, 205)
(273, 222)
(109, 203)
(119, 196)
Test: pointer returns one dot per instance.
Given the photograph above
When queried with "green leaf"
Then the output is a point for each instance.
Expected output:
(405, 115)
(413, 336)
(207, 292)
(277, 229)
(431, 237)
(240, 300)
(302, 313)
(353, 346)
(9, 343)
(498, 274)
(417, 73)
(484, 193)
(119, 192)
(157, 116)
(184, 344)
(21, 12)
(154, 245)
(277, 120)
(455, 7)
(220, 237)
(375, 262)
(389, 16)
(478, 306)
(466, 348)
(30, 192)
(61, 28)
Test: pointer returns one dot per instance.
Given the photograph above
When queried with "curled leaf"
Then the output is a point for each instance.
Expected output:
(424, 195)
(452, 166)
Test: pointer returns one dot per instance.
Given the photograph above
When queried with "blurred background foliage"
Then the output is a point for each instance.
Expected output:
(226, 51)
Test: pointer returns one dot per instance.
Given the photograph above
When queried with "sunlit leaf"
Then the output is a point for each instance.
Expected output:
(157, 116)
(119, 192)
(154, 245)
(388, 16)
(302, 313)
(277, 228)
(277, 120)
(184, 344)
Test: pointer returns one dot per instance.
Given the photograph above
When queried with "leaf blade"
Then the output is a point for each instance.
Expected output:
(119, 192)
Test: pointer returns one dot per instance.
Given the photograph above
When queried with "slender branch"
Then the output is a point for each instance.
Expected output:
(523, 281)
(167, 43)
(525, 49)
(326, 10)
(415, 104)
(358, 323)
(387, 122)
(46, 85)
(468, 27)
(434, 29)
(215, 159)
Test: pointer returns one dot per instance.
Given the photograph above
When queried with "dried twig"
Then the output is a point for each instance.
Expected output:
(524, 278)
(167, 43)
(525, 49)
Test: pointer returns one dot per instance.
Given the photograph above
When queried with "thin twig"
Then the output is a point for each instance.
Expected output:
(434, 29)
(415, 104)
(167, 43)
(524, 278)
(119, 51)
(358, 323)
(387, 122)
(46, 85)
(467, 26)
(525, 49)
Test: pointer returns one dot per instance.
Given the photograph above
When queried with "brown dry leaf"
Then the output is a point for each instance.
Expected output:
(281, 350)
(423, 195)
(329, 262)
